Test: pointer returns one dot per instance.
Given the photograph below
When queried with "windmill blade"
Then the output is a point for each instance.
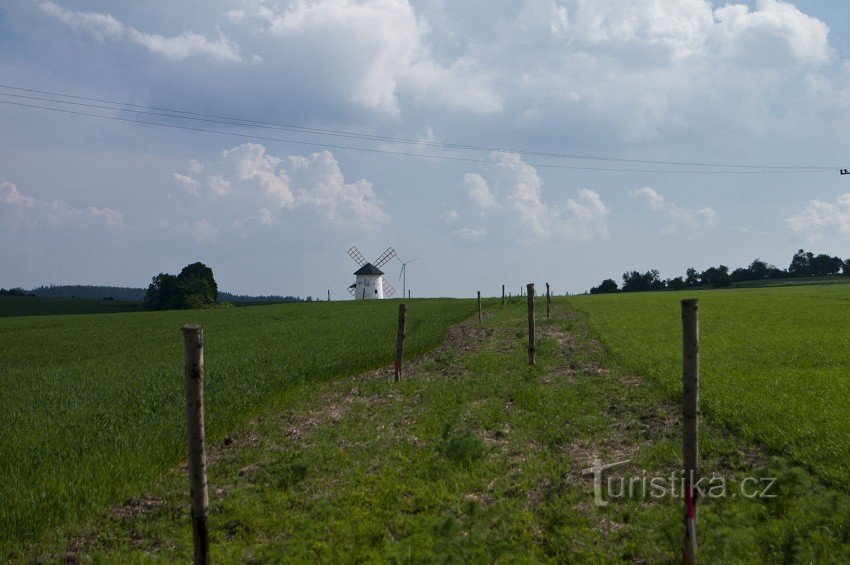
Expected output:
(401, 273)
(355, 254)
(352, 290)
(388, 289)
(385, 256)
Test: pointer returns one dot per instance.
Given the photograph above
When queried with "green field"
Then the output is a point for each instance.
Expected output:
(34, 306)
(774, 362)
(93, 404)
(473, 457)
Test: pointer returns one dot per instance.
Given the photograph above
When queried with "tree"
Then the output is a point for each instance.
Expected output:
(636, 282)
(801, 264)
(676, 283)
(717, 277)
(692, 277)
(194, 287)
(824, 265)
(201, 271)
(163, 293)
(845, 268)
(607, 286)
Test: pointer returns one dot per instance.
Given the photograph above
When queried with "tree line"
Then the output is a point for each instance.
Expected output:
(803, 264)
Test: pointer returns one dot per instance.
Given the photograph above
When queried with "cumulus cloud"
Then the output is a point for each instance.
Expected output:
(186, 182)
(374, 50)
(260, 187)
(470, 234)
(693, 220)
(18, 211)
(821, 218)
(218, 185)
(509, 197)
(476, 188)
(177, 48)
(449, 215)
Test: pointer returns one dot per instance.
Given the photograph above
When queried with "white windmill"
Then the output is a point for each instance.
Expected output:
(370, 283)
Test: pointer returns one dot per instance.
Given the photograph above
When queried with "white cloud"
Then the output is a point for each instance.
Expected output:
(470, 234)
(9, 194)
(449, 215)
(693, 220)
(821, 218)
(186, 182)
(586, 217)
(373, 50)
(260, 187)
(218, 185)
(509, 197)
(319, 184)
(177, 48)
(476, 188)
(23, 212)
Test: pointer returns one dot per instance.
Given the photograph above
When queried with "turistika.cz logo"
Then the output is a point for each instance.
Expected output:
(613, 487)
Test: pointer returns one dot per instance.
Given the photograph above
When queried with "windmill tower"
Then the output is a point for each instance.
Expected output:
(370, 283)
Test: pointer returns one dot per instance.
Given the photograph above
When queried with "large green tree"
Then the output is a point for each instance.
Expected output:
(194, 287)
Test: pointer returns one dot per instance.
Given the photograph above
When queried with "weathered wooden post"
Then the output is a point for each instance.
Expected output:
(531, 353)
(408, 295)
(690, 418)
(548, 300)
(503, 296)
(479, 306)
(399, 345)
(329, 295)
(193, 342)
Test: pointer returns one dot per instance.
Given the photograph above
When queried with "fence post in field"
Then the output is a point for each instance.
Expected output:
(503, 296)
(399, 345)
(408, 295)
(548, 301)
(193, 341)
(329, 295)
(531, 352)
(479, 305)
(690, 415)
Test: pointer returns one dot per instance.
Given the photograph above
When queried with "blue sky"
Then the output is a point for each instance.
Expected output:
(89, 200)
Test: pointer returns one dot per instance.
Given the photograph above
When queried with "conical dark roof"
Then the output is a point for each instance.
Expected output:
(368, 269)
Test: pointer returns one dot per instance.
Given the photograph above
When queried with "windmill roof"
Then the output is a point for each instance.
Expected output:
(368, 269)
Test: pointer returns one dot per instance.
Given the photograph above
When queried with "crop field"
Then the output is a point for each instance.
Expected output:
(93, 405)
(34, 306)
(774, 362)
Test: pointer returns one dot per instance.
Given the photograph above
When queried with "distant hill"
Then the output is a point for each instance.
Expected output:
(130, 294)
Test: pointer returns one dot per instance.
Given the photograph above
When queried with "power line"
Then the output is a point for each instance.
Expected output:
(398, 153)
(235, 121)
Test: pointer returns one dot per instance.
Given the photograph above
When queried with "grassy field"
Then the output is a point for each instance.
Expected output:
(793, 281)
(474, 457)
(93, 405)
(774, 362)
(34, 306)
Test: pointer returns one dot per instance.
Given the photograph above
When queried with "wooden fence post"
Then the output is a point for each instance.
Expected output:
(193, 342)
(548, 300)
(690, 418)
(531, 352)
(399, 344)
(503, 296)
(408, 295)
(479, 306)
(329, 295)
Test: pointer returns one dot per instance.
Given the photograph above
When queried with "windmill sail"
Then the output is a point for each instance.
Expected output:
(355, 254)
(385, 256)
(388, 288)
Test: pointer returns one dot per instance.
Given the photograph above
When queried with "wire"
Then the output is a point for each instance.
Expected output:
(229, 120)
(398, 153)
